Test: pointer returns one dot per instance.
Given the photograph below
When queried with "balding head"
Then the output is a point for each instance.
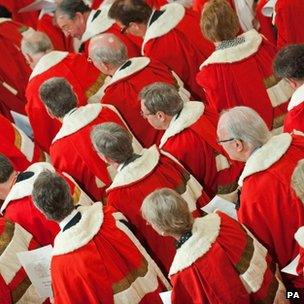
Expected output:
(34, 45)
(107, 52)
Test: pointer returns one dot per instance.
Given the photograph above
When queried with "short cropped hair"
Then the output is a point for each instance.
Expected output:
(297, 180)
(51, 195)
(289, 62)
(245, 124)
(57, 94)
(34, 42)
(127, 11)
(218, 21)
(71, 7)
(160, 96)
(6, 169)
(115, 56)
(168, 211)
(113, 141)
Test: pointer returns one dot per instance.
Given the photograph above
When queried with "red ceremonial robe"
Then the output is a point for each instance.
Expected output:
(294, 119)
(288, 21)
(268, 206)
(136, 180)
(46, 24)
(166, 41)
(98, 22)
(223, 263)
(28, 18)
(17, 146)
(19, 207)
(14, 71)
(123, 92)
(82, 75)
(191, 138)
(15, 286)
(299, 236)
(73, 152)
(240, 73)
(103, 259)
(266, 26)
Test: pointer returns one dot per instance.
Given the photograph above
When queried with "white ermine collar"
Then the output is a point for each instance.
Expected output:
(48, 61)
(266, 156)
(205, 231)
(237, 52)
(173, 14)
(297, 98)
(137, 169)
(25, 187)
(82, 233)
(189, 115)
(99, 25)
(76, 120)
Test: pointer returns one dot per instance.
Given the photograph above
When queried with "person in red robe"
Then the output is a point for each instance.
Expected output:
(287, 20)
(268, 206)
(129, 76)
(46, 63)
(266, 28)
(96, 258)
(138, 175)
(297, 182)
(217, 260)
(28, 18)
(14, 71)
(15, 285)
(46, 23)
(71, 150)
(15, 190)
(289, 64)
(167, 37)
(240, 72)
(17, 146)
(76, 19)
(190, 136)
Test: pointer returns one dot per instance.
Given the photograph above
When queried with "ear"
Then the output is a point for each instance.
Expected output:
(50, 113)
(161, 115)
(239, 145)
(79, 16)
(293, 83)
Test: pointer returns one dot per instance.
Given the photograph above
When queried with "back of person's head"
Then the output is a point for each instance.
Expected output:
(219, 22)
(245, 124)
(71, 7)
(161, 96)
(51, 195)
(289, 62)
(109, 49)
(112, 141)
(127, 11)
(4, 12)
(58, 96)
(6, 169)
(34, 42)
(297, 180)
(168, 212)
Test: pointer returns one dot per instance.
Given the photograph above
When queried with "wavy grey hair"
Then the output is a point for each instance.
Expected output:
(245, 124)
(167, 211)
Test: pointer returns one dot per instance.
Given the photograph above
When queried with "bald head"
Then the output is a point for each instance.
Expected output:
(107, 49)
(34, 42)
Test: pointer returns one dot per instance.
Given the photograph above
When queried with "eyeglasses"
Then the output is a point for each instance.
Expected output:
(225, 140)
(123, 29)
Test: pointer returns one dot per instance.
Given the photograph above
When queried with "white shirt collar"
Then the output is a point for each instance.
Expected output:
(63, 223)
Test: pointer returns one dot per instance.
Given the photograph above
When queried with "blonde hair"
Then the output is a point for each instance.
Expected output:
(219, 22)
(297, 180)
(167, 211)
